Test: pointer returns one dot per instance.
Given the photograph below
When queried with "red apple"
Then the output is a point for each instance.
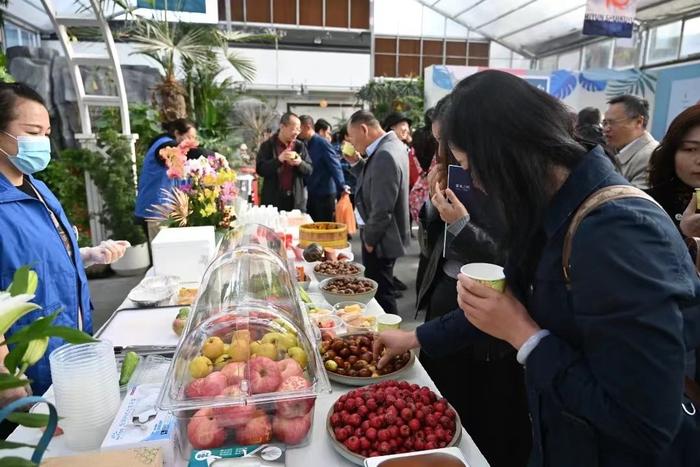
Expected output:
(194, 388)
(204, 432)
(289, 367)
(291, 430)
(214, 384)
(264, 375)
(257, 431)
(235, 416)
(234, 372)
(295, 407)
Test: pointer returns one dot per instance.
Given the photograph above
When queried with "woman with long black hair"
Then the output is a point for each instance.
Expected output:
(605, 337)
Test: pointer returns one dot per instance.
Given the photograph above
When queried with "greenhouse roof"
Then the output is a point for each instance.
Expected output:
(536, 27)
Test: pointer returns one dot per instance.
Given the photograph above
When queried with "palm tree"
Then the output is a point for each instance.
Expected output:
(188, 46)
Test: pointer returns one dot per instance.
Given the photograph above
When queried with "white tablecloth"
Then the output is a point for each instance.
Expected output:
(318, 453)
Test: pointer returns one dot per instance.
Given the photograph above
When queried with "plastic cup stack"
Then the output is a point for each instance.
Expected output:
(86, 386)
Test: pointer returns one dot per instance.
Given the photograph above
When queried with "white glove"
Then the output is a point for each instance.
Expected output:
(106, 252)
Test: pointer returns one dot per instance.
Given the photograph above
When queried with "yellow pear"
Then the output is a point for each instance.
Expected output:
(240, 351)
(267, 350)
(298, 354)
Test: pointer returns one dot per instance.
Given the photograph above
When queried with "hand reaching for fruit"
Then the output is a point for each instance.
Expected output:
(394, 343)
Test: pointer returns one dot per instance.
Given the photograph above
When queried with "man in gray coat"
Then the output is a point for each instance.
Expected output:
(625, 128)
(381, 201)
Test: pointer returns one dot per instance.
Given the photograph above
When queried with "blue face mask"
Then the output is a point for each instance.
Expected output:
(33, 153)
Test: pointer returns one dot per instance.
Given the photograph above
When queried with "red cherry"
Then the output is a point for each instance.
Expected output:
(371, 404)
(354, 420)
(384, 447)
(444, 421)
(336, 420)
(420, 415)
(431, 438)
(394, 431)
(394, 444)
(353, 443)
(449, 434)
(431, 421)
(414, 425)
(380, 397)
(358, 432)
(343, 398)
(383, 435)
(377, 422)
(408, 444)
(373, 454)
(440, 406)
(371, 433)
(390, 399)
(339, 406)
(406, 413)
(365, 425)
(405, 431)
(442, 444)
(430, 445)
(450, 414)
(350, 405)
(419, 445)
(364, 444)
(362, 410)
(414, 387)
(341, 434)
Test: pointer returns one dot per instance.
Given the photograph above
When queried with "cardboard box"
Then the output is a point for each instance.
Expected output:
(140, 457)
(184, 252)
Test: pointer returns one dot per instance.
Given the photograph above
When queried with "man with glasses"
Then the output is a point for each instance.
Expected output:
(624, 128)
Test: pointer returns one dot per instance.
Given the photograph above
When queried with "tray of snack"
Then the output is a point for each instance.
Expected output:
(391, 417)
(350, 360)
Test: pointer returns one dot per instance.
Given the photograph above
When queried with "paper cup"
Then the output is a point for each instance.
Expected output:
(348, 149)
(388, 321)
(488, 274)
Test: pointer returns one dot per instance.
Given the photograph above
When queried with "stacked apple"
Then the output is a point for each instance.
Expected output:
(275, 363)
(392, 417)
(353, 356)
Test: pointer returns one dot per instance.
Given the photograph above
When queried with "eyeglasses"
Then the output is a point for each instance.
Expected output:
(615, 122)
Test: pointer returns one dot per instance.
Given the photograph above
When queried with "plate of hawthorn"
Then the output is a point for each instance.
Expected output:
(391, 417)
(349, 360)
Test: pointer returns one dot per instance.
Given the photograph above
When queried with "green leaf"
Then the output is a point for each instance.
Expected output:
(71, 335)
(16, 462)
(25, 281)
(8, 381)
(12, 445)
(35, 330)
(15, 356)
(31, 420)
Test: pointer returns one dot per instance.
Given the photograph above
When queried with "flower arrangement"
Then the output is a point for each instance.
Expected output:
(205, 192)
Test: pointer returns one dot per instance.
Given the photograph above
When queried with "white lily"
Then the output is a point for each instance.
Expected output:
(13, 308)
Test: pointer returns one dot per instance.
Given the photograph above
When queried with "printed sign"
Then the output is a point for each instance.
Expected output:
(614, 18)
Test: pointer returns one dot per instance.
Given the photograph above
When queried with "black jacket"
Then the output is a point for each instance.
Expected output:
(268, 166)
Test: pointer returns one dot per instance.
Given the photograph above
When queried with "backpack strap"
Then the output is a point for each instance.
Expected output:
(597, 199)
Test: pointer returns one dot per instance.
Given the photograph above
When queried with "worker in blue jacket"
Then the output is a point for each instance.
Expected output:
(326, 182)
(35, 231)
(605, 342)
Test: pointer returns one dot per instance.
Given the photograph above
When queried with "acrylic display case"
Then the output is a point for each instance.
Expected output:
(247, 370)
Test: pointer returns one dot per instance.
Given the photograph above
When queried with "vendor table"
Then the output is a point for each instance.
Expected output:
(318, 453)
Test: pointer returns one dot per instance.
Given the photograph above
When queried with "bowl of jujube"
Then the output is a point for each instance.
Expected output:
(391, 417)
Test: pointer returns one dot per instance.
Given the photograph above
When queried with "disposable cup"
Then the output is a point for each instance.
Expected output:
(86, 387)
(488, 274)
(388, 321)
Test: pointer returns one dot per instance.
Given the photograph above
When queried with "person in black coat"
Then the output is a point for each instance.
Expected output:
(283, 162)
(492, 404)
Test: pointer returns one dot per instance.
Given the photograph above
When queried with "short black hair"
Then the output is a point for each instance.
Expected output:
(307, 120)
(10, 93)
(181, 125)
(322, 125)
(364, 117)
(287, 117)
(588, 116)
(634, 106)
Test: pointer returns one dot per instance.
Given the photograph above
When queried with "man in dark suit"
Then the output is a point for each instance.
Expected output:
(284, 162)
(381, 200)
(326, 181)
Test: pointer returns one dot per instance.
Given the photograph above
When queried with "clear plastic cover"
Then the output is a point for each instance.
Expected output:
(245, 370)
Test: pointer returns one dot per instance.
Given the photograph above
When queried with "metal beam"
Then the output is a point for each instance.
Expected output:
(542, 21)
(507, 13)
(515, 48)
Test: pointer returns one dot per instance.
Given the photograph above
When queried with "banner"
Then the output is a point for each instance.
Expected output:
(191, 6)
(613, 18)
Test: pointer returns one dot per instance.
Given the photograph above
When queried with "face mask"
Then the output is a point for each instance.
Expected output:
(33, 153)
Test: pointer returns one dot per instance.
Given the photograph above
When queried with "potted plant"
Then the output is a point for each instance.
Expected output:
(28, 346)
(111, 168)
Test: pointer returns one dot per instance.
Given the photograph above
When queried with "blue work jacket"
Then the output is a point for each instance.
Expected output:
(605, 388)
(327, 177)
(153, 179)
(28, 237)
